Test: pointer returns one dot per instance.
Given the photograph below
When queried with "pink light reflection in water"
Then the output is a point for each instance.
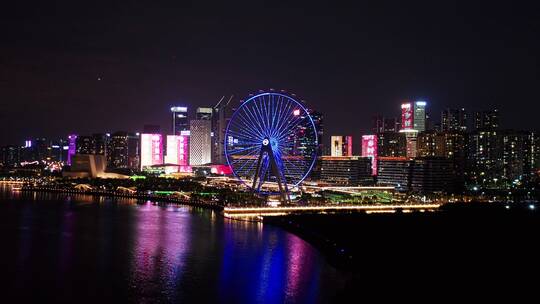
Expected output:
(299, 265)
(161, 242)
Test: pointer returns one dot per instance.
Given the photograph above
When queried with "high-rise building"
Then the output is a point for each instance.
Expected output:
(413, 116)
(177, 150)
(532, 157)
(454, 120)
(410, 139)
(9, 156)
(391, 144)
(377, 124)
(385, 124)
(485, 158)
(520, 155)
(72, 147)
(222, 113)
(180, 120)
(37, 149)
(497, 159)
(420, 116)
(200, 142)
(151, 150)
(341, 145)
(346, 170)
(58, 150)
(407, 117)
(94, 144)
(487, 120)
(318, 121)
(101, 142)
(391, 125)
(86, 144)
(123, 151)
(369, 149)
(204, 113)
(451, 145)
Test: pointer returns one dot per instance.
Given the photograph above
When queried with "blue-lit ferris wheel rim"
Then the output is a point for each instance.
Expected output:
(287, 97)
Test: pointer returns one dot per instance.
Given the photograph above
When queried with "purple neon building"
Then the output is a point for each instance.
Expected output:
(72, 147)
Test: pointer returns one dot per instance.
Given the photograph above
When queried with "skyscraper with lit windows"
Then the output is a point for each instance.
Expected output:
(123, 151)
(454, 120)
(200, 146)
(420, 116)
(180, 120)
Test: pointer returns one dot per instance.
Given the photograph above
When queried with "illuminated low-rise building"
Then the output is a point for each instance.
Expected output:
(90, 165)
(432, 174)
(422, 174)
(346, 170)
(395, 172)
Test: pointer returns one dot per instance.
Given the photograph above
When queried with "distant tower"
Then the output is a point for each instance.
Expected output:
(204, 113)
(72, 147)
(487, 120)
(420, 116)
(180, 120)
(200, 145)
(123, 151)
(222, 113)
(454, 120)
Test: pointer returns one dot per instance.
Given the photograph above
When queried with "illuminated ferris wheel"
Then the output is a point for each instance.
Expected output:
(271, 140)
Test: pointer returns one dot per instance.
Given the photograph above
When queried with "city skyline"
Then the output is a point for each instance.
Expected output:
(124, 75)
(265, 152)
(433, 122)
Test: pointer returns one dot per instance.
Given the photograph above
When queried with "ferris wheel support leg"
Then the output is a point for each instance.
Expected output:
(262, 174)
(282, 183)
(257, 171)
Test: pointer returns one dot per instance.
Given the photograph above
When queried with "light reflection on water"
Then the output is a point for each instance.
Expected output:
(121, 249)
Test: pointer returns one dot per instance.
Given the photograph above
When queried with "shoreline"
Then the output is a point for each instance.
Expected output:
(179, 201)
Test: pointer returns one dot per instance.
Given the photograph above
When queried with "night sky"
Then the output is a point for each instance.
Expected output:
(68, 67)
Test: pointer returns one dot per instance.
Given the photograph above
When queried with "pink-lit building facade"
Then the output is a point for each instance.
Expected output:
(151, 150)
(369, 149)
(177, 150)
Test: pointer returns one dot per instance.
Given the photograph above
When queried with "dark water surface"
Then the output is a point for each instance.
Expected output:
(76, 248)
